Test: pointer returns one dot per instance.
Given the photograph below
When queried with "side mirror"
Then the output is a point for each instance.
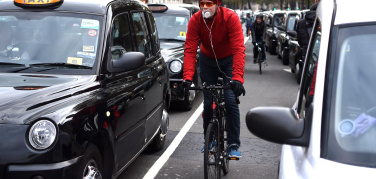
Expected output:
(280, 125)
(128, 61)
(292, 33)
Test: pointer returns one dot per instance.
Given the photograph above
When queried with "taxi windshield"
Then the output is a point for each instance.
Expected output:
(278, 19)
(47, 42)
(291, 23)
(352, 129)
(171, 26)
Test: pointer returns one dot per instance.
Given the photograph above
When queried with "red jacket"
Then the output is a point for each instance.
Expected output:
(227, 36)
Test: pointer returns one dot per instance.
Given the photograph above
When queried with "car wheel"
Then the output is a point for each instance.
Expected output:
(292, 70)
(285, 56)
(160, 139)
(272, 47)
(298, 73)
(278, 54)
(91, 165)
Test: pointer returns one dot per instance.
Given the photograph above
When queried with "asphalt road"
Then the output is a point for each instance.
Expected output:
(275, 87)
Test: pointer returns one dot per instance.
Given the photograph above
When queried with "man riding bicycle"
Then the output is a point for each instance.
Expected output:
(222, 53)
(258, 36)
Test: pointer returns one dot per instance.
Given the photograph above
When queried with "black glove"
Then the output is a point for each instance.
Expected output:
(187, 83)
(237, 87)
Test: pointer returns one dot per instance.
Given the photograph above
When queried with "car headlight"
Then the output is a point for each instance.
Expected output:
(42, 134)
(176, 66)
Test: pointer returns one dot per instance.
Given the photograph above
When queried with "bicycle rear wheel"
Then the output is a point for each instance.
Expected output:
(212, 166)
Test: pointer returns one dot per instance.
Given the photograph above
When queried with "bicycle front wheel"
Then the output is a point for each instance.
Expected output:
(212, 152)
(260, 61)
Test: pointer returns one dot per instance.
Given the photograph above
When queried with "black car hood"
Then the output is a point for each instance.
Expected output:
(171, 50)
(24, 98)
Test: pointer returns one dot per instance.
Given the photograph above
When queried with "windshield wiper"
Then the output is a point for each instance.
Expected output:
(172, 39)
(7, 64)
(67, 65)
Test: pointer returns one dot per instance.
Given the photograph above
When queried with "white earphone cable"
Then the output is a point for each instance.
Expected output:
(211, 42)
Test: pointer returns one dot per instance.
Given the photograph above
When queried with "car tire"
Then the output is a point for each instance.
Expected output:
(272, 47)
(158, 142)
(298, 75)
(285, 56)
(292, 70)
(91, 163)
(278, 54)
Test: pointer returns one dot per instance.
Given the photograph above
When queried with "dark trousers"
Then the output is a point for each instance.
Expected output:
(209, 74)
(255, 50)
(248, 28)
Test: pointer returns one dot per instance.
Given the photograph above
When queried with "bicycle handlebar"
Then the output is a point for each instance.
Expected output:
(210, 87)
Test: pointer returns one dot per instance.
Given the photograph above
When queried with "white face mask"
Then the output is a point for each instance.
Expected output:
(206, 14)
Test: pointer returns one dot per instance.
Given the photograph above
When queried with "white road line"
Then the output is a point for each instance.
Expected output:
(153, 171)
(246, 39)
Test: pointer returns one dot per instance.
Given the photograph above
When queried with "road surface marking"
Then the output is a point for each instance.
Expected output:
(287, 70)
(153, 171)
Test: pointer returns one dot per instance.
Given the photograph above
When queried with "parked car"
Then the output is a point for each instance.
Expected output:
(330, 131)
(272, 21)
(284, 38)
(192, 8)
(295, 51)
(172, 24)
(83, 88)
(240, 14)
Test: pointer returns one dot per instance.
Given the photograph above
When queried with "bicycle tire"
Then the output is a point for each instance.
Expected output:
(260, 62)
(225, 161)
(211, 156)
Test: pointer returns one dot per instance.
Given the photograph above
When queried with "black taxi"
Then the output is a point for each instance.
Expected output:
(83, 87)
(172, 24)
(272, 20)
(284, 38)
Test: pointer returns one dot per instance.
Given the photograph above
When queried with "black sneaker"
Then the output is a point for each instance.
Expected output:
(254, 61)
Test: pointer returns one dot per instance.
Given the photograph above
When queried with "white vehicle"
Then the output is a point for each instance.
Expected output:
(330, 131)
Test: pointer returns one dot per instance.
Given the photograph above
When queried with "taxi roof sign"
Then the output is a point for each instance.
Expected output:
(158, 7)
(37, 3)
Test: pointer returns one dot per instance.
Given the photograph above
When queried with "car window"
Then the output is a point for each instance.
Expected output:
(172, 26)
(291, 23)
(154, 33)
(121, 38)
(34, 40)
(307, 86)
(352, 129)
(143, 41)
(278, 20)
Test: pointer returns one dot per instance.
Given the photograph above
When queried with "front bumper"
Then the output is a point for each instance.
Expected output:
(66, 169)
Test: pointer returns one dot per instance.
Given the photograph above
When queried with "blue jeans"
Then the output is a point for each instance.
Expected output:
(209, 74)
(249, 26)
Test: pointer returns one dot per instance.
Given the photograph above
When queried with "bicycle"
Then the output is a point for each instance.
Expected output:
(260, 61)
(216, 152)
